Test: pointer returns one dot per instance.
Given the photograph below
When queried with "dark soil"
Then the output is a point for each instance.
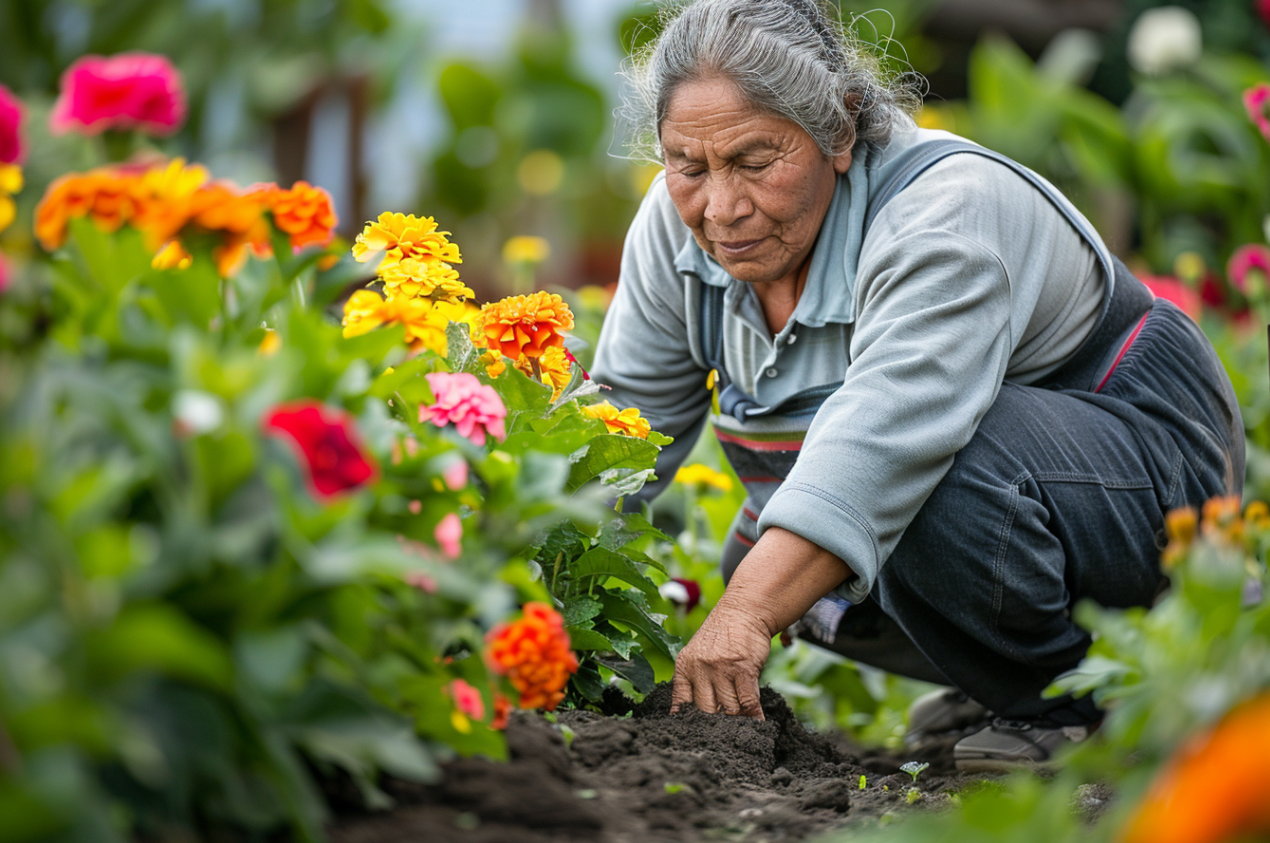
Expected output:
(645, 775)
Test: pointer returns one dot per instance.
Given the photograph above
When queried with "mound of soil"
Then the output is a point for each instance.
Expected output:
(644, 774)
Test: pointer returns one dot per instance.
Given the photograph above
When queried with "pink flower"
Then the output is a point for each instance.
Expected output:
(11, 150)
(6, 274)
(467, 699)
(1250, 257)
(455, 476)
(1164, 287)
(1263, 10)
(421, 581)
(1255, 101)
(447, 533)
(475, 409)
(124, 91)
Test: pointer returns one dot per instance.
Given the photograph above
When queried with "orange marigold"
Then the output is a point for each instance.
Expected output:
(109, 197)
(1220, 516)
(305, 213)
(628, 421)
(534, 653)
(1214, 788)
(1180, 525)
(524, 326)
(554, 369)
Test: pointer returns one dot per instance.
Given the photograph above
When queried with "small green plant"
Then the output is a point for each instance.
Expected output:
(913, 795)
(863, 782)
(914, 768)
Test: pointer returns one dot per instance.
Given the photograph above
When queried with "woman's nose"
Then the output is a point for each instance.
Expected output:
(726, 202)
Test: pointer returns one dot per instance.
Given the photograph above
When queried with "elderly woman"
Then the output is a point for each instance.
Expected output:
(954, 411)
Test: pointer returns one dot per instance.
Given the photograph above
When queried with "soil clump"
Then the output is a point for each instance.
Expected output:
(639, 773)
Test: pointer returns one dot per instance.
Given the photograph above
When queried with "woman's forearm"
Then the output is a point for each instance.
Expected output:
(782, 577)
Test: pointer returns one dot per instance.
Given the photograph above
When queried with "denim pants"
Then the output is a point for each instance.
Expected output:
(1060, 496)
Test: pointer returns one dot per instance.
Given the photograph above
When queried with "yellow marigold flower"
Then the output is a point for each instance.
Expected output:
(425, 320)
(524, 326)
(1257, 515)
(172, 256)
(495, 364)
(270, 344)
(628, 421)
(416, 259)
(10, 183)
(526, 249)
(554, 369)
(703, 476)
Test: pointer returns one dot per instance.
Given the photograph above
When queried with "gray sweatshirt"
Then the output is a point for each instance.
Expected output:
(967, 277)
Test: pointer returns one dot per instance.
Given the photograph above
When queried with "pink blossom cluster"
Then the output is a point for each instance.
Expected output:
(124, 91)
(1249, 258)
(11, 149)
(472, 407)
(1255, 99)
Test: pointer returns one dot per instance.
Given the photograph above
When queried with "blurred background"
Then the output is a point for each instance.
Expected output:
(494, 116)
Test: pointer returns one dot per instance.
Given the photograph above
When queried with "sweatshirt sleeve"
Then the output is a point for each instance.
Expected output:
(929, 352)
(645, 352)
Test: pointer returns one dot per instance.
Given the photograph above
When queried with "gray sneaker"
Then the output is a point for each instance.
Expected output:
(944, 710)
(1013, 745)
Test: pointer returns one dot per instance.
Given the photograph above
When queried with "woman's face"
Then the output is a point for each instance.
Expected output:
(753, 187)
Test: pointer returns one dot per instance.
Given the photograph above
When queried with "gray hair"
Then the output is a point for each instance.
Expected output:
(788, 57)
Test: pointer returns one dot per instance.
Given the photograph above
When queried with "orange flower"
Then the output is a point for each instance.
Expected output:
(172, 256)
(524, 326)
(1214, 788)
(502, 712)
(238, 217)
(534, 653)
(1180, 525)
(109, 197)
(1220, 517)
(554, 369)
(305, 213)
(628, 421)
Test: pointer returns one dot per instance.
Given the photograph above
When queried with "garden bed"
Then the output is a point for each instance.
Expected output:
(644, 775)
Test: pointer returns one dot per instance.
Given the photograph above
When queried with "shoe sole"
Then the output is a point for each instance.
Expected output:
(1002, 765)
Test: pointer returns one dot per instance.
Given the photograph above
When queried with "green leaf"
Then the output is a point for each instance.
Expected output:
(587, 639)
(635, 669)
(461, 355)
(620, 608)
(579, 610)
(611, 451)
(157, 638)
(601, 562)
(625, 481)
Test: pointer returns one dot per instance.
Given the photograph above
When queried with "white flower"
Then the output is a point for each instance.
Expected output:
(1164, 39)
(196, 412)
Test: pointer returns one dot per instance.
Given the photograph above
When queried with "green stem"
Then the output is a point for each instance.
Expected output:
(555, 571)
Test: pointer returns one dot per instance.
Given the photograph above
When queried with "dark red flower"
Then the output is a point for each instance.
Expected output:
(685, 594)
(328, 444)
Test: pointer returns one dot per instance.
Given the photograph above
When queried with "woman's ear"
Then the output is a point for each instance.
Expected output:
(842, 162)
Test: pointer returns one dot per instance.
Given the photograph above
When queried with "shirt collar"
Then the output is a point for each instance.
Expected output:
(828, 295)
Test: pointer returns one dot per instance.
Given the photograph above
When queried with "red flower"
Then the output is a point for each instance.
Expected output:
(11, 151)
(328, 444)
(1163, 287)
(1263, 9)
(129, 90)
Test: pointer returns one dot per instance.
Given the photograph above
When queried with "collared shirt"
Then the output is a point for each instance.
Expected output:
(968, 276)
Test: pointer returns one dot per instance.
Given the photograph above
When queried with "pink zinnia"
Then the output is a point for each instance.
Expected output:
(447, 533)
(1255, 101)
(1164, 287)
(467, 699)
(125, 91)
(474, 408)
(11, 150)
(1250, 257)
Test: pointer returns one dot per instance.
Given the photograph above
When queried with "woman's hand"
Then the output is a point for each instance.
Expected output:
(718, 670)
(781, 577)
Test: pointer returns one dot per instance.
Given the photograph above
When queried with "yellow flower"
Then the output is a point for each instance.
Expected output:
(425, 320)
(269, 344)
(628, 421)
(526, 249)
(172, 256)
(416, 259)
(703, 476)
(935, 117)
(10, 183)
(524, 326)
(554, 366)
(540, 172)
(1257, 515)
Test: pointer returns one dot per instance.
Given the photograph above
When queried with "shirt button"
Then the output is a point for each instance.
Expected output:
(789, 340)
(771, 372)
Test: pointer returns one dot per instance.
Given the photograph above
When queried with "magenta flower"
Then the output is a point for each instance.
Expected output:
(447, 533)
(1248, 258)
(11, 149)
(475, 409)
(467, 699)
(125, 91)
(6, 276)
(1255, 101)
(1263, 10)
